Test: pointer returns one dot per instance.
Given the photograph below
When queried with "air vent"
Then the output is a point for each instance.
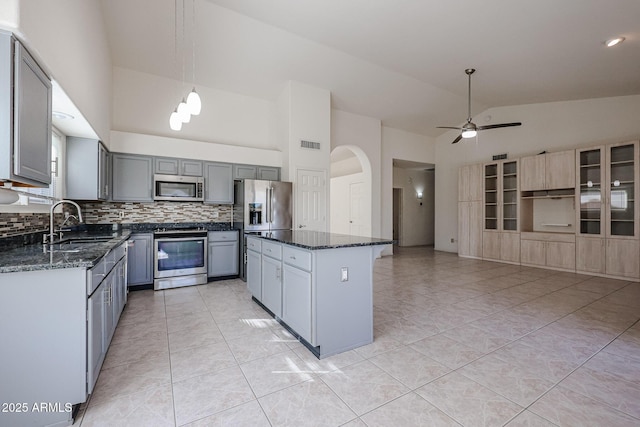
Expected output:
(500, 156)
(309, 144)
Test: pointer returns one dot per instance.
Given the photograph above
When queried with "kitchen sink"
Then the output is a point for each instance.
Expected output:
(72, 245)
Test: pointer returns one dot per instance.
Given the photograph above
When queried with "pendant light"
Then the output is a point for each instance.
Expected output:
(193, 99)
(183, 112)
(174, 121)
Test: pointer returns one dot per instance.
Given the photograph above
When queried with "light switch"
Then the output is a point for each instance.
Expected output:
(344, 274)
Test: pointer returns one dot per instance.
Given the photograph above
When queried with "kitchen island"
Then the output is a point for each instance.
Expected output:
(318, 285)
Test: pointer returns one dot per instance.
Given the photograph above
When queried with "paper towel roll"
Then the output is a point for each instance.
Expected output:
(8, 196)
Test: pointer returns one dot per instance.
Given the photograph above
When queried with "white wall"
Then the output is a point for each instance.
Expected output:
(9, 14)
(69, 40)
(417, 215)
(152, 145)
(398, 144)
(364, 133)
(340, 201)
(549, 126)
(143, 102)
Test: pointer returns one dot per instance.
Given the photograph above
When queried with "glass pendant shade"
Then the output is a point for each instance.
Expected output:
(183, 112)
(194, 103)
(174, 121)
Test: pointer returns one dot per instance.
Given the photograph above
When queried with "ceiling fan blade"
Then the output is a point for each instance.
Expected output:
(447, 127)
(499, 125)
(455, 141)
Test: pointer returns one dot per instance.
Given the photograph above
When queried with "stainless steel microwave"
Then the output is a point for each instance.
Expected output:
(178, 188)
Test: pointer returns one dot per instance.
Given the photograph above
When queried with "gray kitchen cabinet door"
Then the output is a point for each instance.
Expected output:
(272, 285)
(223, 259)
(296, 300)
(269, 174)
(165, 166)
(140, 259)
(244, 172)
(218, 183)
(87, 169)
(132, 178)
(95, 331)
(31, 120)
(254, 274)
(190, 167)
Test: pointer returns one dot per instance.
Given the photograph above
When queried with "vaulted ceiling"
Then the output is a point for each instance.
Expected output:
(400, 61)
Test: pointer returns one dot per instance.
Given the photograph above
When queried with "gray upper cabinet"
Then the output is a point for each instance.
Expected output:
(256, 172)
(218, 183)
(173, 166)
(244, 172)
(132, 178)
(87, 169)
(268, 173)
(190, 167)
(165, 166)
(25, 97)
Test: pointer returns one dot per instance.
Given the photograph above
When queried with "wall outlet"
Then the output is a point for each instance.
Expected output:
(215, 214)
(453, 240)
(344, 274)
(121, 214)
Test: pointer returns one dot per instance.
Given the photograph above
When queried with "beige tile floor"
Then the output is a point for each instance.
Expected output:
(457, 342)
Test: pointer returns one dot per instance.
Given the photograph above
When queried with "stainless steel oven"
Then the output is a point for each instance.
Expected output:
(180, 258)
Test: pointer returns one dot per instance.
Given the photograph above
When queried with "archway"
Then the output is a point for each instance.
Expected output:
(350, 203)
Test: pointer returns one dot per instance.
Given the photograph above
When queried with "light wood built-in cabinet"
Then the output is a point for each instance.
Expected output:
(573, 210)
(500, 238)
(470, 211)
(548, 171)
(553, 250)
(607, 239)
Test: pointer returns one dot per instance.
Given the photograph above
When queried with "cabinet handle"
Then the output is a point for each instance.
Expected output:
(292, 257)
(278, 273)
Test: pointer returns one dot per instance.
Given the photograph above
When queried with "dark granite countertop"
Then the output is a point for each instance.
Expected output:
(39, 257)
(315, 240)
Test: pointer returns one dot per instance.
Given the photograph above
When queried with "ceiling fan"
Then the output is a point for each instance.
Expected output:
(469, 129)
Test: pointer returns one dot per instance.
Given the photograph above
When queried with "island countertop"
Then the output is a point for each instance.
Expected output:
(314, 240)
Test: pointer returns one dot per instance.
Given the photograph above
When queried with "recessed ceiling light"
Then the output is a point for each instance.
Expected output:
(614, 42)
(61, 116)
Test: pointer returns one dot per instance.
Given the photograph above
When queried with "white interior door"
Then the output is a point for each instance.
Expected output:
(356, 209)
(311, 200)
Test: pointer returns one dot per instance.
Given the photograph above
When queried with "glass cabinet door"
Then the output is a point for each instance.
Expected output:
(622, 173)
(510, 196)
(591, 191)
(491, 196)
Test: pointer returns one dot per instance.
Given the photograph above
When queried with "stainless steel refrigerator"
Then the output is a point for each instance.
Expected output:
(260, 206)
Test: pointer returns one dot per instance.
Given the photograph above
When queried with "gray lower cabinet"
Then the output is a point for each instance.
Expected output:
(25, 116)
(87, 169)
(132, 178)
(254, 274)
(296, 300)
(218, 183)
(222, 253)
(140, 259)
(272, 284)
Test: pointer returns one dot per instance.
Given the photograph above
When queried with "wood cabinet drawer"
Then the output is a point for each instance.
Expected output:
(273, 250)
(224, 236)
(254, 244)
(548, 237)
(297, 257)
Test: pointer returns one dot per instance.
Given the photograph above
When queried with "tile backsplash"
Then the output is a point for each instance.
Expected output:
(15, 224)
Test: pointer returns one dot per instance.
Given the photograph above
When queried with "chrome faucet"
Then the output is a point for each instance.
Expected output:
(51, 229)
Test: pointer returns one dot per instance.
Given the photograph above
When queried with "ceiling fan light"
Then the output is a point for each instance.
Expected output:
(183, 112)
(469, 133)
(194, 103)
(613, 42)
(174, 121)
